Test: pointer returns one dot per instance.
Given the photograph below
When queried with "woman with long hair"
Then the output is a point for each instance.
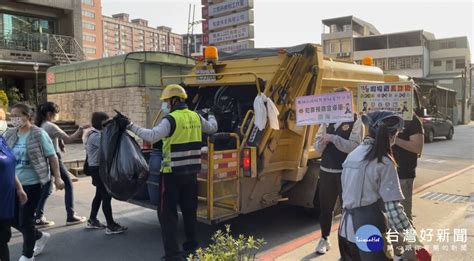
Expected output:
(46, 113)
(35, 157)
(92, 142)
(371, 193)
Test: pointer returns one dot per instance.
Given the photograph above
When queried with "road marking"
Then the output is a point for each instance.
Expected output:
(278, 251)
(437, 181)
(435, 161)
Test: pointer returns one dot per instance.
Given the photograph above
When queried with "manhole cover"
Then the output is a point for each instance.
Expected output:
(445, 197)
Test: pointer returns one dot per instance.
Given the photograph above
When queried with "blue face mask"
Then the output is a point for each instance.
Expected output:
(164, 108)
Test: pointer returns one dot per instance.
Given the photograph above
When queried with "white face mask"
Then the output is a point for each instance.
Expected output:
(164, 108)
(17, 122)
(3, 126)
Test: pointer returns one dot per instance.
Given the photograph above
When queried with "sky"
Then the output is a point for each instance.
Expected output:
(291, 22)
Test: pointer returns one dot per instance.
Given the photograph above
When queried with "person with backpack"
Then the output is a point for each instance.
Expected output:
(46, 113)
(371, 194)
(91, 168)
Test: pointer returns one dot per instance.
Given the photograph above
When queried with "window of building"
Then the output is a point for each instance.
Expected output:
(89, 50)
(436, 63)
(88, 13)
(18, 28)
(334, 47)
(346, 46)
(449, 65)
(88, 2)
(88, 25)
(460, 63)
(447, 44)
(88, 37)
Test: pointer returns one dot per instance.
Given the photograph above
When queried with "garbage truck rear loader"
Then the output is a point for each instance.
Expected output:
(246, 168)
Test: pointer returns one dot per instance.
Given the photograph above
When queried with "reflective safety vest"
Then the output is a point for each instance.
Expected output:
(182, 149)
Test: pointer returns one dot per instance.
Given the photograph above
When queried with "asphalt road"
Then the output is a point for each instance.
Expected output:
(277, 225)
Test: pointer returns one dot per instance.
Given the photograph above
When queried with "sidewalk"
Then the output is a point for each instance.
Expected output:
(431, 212)
(74, 152)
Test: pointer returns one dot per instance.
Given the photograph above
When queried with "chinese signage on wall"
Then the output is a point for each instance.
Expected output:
(228, 24)
(229, 6)
(324, 108)
(394, 97)
(231, 34)
(236, 46)
(244, 17)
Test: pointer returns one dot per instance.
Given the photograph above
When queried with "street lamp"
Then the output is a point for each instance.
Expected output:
(36, 68)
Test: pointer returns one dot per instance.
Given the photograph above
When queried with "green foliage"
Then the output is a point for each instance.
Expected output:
(3, 100)
(227, 248)
(14, 95)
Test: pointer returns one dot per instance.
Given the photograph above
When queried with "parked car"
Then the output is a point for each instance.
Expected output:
(437, 125)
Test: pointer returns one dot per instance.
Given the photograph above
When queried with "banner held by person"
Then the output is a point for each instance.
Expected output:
(325, 108)
(395, 97)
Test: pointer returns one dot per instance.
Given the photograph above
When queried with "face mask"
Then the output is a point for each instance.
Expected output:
(164, 108)
(17, 122)
(3, 126)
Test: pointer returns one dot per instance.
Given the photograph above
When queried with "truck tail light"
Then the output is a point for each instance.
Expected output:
(246, 162)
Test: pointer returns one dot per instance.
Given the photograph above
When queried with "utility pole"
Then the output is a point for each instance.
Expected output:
(190, 33)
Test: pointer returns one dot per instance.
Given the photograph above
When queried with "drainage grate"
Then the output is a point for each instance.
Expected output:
(445, 197)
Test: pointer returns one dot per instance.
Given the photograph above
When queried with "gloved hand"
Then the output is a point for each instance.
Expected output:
(122, 120)
(215, 110)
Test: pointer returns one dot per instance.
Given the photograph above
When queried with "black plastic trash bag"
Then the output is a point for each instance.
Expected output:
(123, 169)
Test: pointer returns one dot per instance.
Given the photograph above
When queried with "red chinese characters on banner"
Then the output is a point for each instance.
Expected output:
(50, 78)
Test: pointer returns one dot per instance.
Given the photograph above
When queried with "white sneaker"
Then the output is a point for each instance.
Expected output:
(41, 243)
(24, 258)
(323, 246)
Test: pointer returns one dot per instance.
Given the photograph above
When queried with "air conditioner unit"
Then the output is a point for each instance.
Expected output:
(343, 54)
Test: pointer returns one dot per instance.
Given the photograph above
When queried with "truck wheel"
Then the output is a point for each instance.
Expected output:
(450, 134)
(430, 136)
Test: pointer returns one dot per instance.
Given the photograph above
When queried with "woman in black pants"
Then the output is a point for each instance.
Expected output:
(35, 157)
(92, 169)
(46, 113)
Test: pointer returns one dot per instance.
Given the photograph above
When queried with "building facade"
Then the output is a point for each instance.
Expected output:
(123, 36)
(34, 35)
(339, 33)
(450, 63)
(397, 53)
(413, 53)
(192, 44)
(92, 32)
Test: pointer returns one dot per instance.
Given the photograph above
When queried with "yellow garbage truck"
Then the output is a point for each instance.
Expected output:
(246, 168)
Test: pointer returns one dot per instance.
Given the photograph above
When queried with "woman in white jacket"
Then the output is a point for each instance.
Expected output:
(371, 193)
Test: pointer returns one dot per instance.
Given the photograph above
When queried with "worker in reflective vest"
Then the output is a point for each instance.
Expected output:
(181, 131)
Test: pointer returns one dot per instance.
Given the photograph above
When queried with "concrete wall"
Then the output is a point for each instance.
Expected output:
(409, 72)
(63, 4)
(426, 61)
(388, 53)
(67, 12)
(79, 106)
